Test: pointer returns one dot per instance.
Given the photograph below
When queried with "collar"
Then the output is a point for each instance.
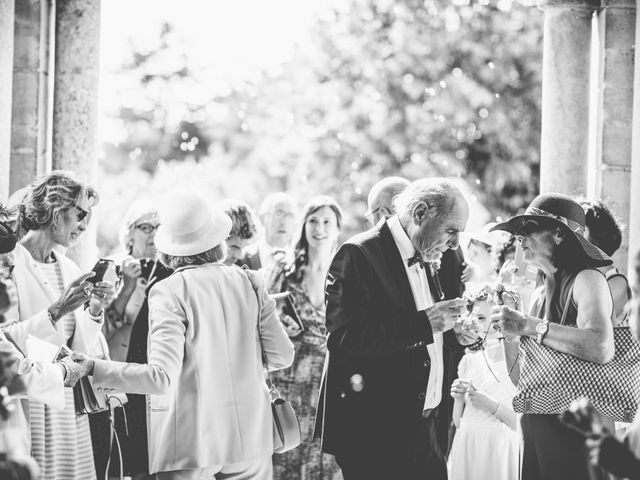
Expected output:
(403, 242)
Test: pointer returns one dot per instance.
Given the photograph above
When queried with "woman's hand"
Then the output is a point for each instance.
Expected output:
(76, 294)
(131, 271)
(290, 326)
(511, 322)
(102, 294)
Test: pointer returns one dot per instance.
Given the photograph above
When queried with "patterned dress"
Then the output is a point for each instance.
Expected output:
(60, 439)
(300, 384)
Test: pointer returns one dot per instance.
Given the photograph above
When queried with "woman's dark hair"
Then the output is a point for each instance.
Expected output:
(301, 249)
(605, 231)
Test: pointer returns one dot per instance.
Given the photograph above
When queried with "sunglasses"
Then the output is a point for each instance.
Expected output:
(146, 227)
(82, 213)
(528, 227)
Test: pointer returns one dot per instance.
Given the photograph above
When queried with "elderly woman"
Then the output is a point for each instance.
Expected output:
(573, 315)
(126, 329)
(51, 292)
(210, 414)
(300, 384)
(244, 229)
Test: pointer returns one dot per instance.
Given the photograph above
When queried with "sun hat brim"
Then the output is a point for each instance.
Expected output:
(211, 234)
(596, 256)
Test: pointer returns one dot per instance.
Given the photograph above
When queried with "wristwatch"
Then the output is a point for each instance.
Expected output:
(541, 329)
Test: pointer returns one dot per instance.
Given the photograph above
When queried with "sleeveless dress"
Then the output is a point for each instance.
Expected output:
(484, 447)
(60, 439)
(300, 384)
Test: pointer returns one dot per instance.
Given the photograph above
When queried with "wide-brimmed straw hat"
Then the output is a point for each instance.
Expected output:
(189, 225)
(559, 210)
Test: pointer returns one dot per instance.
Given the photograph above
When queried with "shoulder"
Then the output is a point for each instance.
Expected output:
(588, 278)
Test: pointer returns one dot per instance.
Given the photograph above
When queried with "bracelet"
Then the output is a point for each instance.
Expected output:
(497, 408)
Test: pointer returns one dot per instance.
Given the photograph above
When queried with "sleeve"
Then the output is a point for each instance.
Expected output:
(355, 329)
(462, 367)
(275, 343)
(167, 328)
(618, 459)
(38, 325)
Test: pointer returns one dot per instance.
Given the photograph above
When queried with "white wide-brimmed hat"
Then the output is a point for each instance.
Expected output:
(189, 225)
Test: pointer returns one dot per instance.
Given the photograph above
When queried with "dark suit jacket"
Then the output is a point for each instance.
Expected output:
(451, 267)
(372, 393)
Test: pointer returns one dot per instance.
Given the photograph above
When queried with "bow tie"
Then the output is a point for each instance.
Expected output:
(417, 258)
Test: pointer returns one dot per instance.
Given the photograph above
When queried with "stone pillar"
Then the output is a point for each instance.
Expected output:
(565, 94)
(634, 215)
(7, 9)
(29, 112)
(75, 100)
(616, 32)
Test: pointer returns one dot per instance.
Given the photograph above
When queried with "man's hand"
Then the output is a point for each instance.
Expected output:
(511, 322)
(443, 315)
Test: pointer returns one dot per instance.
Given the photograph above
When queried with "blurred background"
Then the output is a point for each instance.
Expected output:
(248, 97)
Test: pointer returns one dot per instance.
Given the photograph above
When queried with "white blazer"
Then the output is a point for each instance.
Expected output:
(209, 403)
(35, 295)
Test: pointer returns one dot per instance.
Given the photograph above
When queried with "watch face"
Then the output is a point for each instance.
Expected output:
(542, 327)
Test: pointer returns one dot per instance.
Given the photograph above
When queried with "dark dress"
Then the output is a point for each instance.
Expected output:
(551, 450)
(133, 435)
(300, 384)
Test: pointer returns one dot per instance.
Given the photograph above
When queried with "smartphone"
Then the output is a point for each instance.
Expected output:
(99, 269)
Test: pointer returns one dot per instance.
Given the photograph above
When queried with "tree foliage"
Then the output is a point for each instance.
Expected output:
(390, 87)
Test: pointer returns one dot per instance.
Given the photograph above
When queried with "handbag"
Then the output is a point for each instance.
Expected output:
(286, 428)
(550, 380)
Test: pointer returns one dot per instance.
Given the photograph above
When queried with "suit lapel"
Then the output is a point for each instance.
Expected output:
(396, 265)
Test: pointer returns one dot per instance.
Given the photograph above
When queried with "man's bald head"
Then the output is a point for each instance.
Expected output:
(381, 195)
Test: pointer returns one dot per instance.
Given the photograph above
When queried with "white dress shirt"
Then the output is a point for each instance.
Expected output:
(265, 251)
(422, 296)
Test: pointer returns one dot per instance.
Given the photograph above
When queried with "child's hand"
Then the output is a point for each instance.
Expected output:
(483, 401)
(460, 387)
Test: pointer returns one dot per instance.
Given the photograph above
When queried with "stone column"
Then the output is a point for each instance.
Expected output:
(29, 112)
(7, 9)
(616, 32)
(75, 100)
(634, 215)
(565, 94)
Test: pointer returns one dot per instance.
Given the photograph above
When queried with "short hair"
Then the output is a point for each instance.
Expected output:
(439, 194)
(386, 190)
(215, 254)
(605, 231)
(140, 208)
(244, 223)
(272, 199)
(50, 197)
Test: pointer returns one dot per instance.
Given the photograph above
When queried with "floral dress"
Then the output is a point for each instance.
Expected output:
(300, 384)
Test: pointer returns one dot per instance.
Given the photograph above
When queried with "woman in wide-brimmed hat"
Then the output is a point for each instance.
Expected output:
(209, 408)
(551, 234)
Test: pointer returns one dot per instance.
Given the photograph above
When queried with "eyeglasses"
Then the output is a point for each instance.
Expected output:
(6, 271)
(82, 213)
(146, 227)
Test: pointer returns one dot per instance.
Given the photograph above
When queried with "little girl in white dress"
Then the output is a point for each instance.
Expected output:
(486, 444)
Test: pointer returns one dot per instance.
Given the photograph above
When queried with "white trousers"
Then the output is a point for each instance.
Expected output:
(260, 469)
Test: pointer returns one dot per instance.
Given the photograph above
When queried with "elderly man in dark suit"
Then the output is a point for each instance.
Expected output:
(386, 319)
(452, 274)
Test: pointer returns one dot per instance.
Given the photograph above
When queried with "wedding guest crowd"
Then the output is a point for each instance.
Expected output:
(392, 369)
